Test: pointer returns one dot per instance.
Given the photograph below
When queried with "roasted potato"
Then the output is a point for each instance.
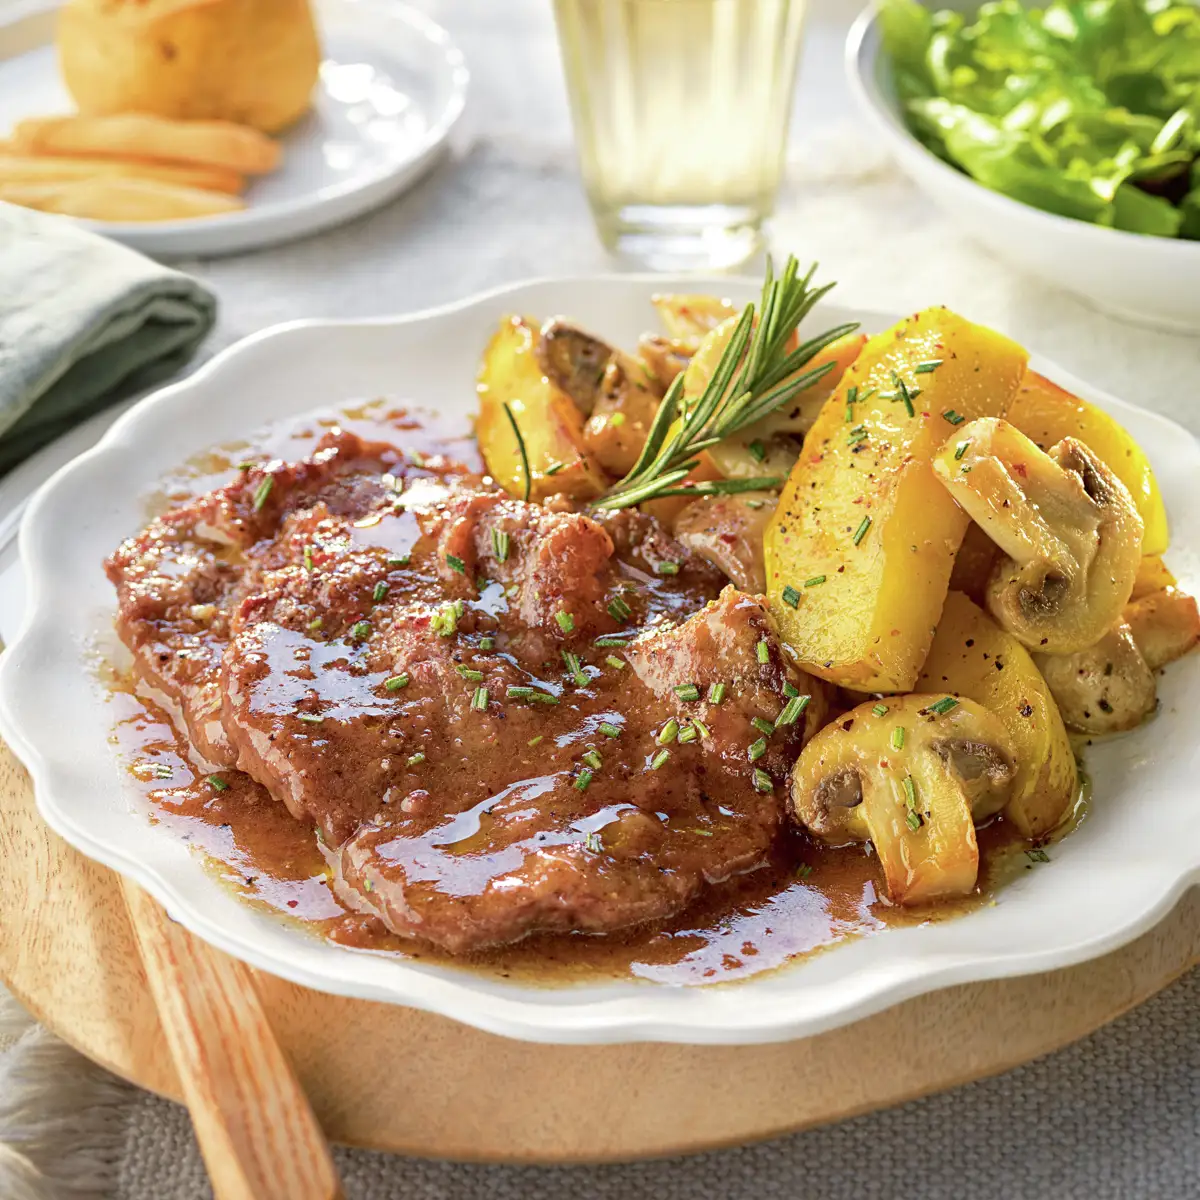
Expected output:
(550, 423)
(686, 315)
(972, 656)
(1153, 575)
(860, 549)
(1046, 414)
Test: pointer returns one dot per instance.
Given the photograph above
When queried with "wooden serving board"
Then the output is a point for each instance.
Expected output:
(394, 1079)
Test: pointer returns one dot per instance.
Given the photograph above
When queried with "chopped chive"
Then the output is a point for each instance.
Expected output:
(757, 450)
(445, 620)
(688, 734)
(263, 491)
(880, 710)
(757, 749)
(593, 760)
(762, 781)
(755, 503)
(469, 673)
(500, 544)
(576, 671)
(660, 758)
(762, 651)
(456, 564)
(529, 693)
(360, 630)
(400, 560)
(381, 590)
(716, 693)
(612, 639)
(617, 420)
(913, 821)
(856, 435)
(592, 842)
(618, 609)
(815, 581)
(479, 701)
(961, 449)
(792, 710)
(415, 760)
(216, 782)
(315, 624)
(1037, 855)
(898, 738)
(617, 664)
(907, 397)
(803, 871)
(763, 726)
(791, 597)
(910, 793)
(308, 558)
(566, 621)
(861, 531)
(927, 368)
(700, 727)
(534, 741)
(609, 729)
(943, 706)
(309, 718)
(247, 464)
(668, 732)
(852, 395)
(554, 468)
(849, 413)
(487, 643)
(701, 832)
(953, 417)
(396, 682)
(688, 691)
(667, 568)
(790, 690)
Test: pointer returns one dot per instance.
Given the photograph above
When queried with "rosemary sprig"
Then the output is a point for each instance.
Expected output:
(755, 376)
(508, 412)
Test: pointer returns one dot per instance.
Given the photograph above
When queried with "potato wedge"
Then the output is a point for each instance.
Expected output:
(550, 424)
(972, 656)
(687, 315)
(801, 412)
(861, 511)
(1046, 413)
(1153, 575)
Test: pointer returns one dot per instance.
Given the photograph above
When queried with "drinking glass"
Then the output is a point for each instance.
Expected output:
(681, 112)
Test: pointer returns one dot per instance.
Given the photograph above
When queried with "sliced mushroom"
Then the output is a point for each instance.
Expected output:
(912, 775)
(1104, 688)
(616, 392)
(1165, 625)
(1069, 529)
(728, 531)
(665, 357)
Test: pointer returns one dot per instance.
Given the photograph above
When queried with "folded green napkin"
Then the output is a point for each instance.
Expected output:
(83, 323)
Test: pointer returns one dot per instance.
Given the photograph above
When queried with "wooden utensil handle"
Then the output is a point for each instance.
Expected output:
(257, 1132)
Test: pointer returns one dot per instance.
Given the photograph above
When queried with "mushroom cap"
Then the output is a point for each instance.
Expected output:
(1105, 688)
(1070, 532)
(912, 775)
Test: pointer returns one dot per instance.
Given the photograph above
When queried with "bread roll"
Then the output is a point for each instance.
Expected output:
(250, 61)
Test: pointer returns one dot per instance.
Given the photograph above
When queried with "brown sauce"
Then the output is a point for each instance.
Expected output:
(807, 898)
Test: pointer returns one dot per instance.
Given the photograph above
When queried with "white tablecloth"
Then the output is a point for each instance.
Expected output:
(1113, 1118)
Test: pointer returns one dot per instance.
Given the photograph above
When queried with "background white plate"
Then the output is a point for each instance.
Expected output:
(1110, 880)
(392, 86)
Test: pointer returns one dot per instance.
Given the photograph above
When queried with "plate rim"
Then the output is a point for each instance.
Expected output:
(455, 997)
(144, 234)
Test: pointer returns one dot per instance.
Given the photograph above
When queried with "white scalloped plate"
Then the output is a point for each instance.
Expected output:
(1111, 879)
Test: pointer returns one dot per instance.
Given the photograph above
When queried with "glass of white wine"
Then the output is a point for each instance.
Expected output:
(681, 112)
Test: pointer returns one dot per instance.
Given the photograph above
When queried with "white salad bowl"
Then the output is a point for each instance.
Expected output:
(1112, 878)
(1149, 280)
